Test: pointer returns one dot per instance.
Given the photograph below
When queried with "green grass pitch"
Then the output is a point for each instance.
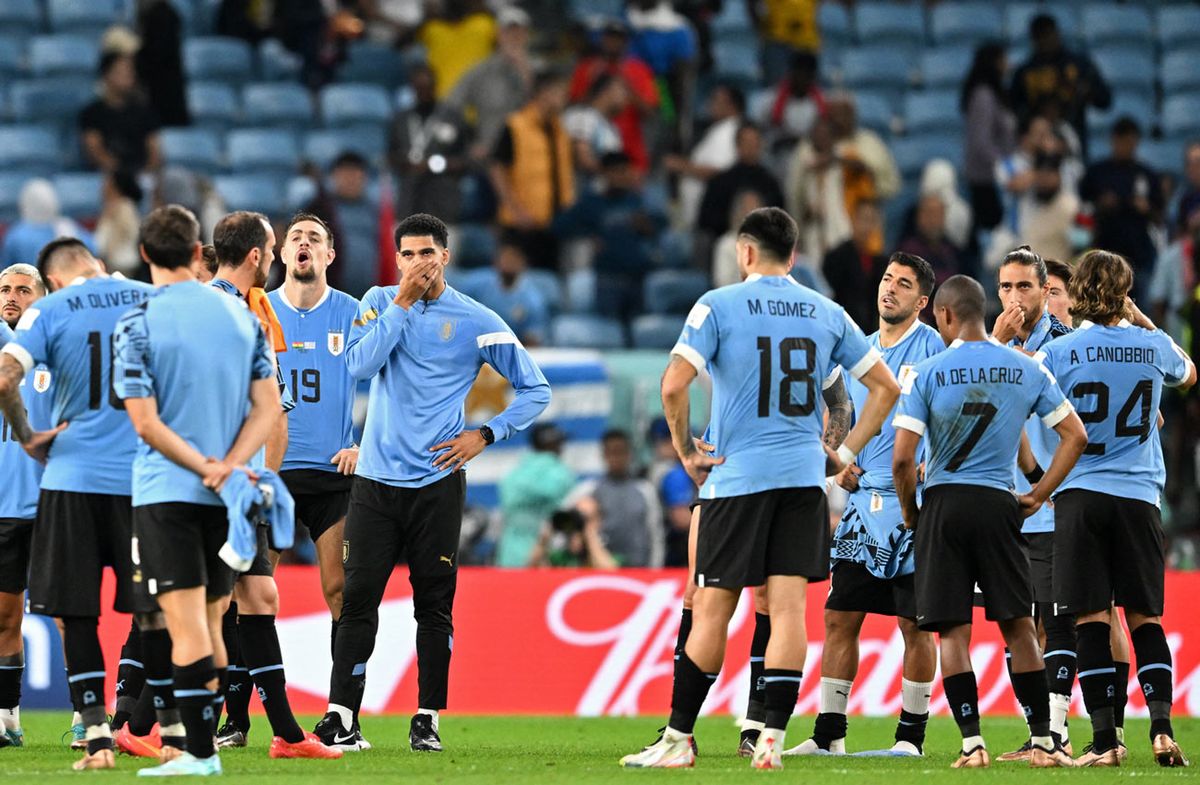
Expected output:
(578, 751)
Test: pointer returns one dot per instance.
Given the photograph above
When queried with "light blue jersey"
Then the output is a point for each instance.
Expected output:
(769, 343)
(6, 333)
(22, 474)
(971, 402)
(421, 363)
(872, 530)
(195, 351)
(70, 331)
(1115, 375)
(314, 369)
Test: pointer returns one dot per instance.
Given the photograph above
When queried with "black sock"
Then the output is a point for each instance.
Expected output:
(1155, 675)
(142, 718)
(688, 693)
(783, 687)
(218, 702)
(962, 695)
(1096, 682)
(238, 685)
(1120, 692)
(911, 728)
(193, 693)
(159, 695)
(85, 664)
(1060, 649)
(1034, 697)
(260, 651)
(12, 668)
(685, 629)
(131, 677)
(756, 707)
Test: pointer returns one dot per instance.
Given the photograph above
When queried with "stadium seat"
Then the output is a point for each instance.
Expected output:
(79, 193)
(913, 152)
(322, 146)
(889, 23)
(1181, 115)
(932, 110)
(737, 56)
(1107, 23)
(29, 149)
(964, 23)
(277, 104)
(276, 63)
(10, 192)
(265, 150)
(874, 110)
(57, 55)
(1126, 68)
(84, 17)
(876, 67)
(476, 245)
(56, 100)
(946, 66)
(472, 281)
(301, 191)
(1139, 105)
(602, 9)
(12, 55)
(655, 331)
(584, 331)
(547, 282)
(834, 23)
(355, 104)
(732, 18)
(372, 63)
(250, 192)
(1017, 17)
(1178, 28)
(213, 105)
(218, 58)
(198, 149)
(673, 291)
(1179, 72)
(20, 17)
(1164, 156)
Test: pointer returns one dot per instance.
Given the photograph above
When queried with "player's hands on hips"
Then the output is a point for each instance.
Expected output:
(458, 450)
(38, 446)
(848, 477)
(346, 460)
(1029, 504)
(699, 464)
(216, 474)
(415, 279)
(1008, 323)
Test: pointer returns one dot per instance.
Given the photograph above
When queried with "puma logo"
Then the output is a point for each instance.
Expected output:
(448, 559)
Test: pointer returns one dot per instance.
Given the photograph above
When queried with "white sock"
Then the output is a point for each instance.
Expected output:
(776, 734)
(835, 695)
(914, 696)
(346, 714)
(1045, 742)
(432, 713)
(1121, 736)
(752, 725)
(101, 731)
(175, 729)
(670, 734)
(971, 742)
(76, 719)
(11, 718)
(1060, 706)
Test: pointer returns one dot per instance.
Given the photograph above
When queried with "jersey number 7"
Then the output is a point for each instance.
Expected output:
(985, 412)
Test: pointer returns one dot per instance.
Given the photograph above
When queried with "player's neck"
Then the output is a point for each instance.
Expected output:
(971, 333)
(242, 279)
(305, 295)
(890, 334)
(161, 276)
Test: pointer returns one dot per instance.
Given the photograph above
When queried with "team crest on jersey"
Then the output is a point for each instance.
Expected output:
(41, 380)
(446, 331)
(337, 342)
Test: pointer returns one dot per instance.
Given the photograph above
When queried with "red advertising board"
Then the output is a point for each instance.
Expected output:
(597, 643)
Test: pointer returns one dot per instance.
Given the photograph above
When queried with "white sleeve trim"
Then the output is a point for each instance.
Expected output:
(20, 354)
(909, 423)
(691, 355)
(494, 339)
(1058, 415)
(832, 378)
(1187, 369)
(867, 362)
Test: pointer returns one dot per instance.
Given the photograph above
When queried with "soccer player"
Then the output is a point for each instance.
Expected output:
(321, 456)
(187, 399)
(421, 344)
(970, 403)
(763, 517)
(872, 550)
(84, 512)
(1109, 540)
(20, 287)
(1058, 297)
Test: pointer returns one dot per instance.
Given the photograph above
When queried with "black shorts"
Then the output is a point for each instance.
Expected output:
(16, 536)
(1040, 547)
(76, 536)
(853, 588)
(743, 540)
(177, 546)
(261, 565)
(321, 498)
(1107, 549)
(385, 523)
(968, 535)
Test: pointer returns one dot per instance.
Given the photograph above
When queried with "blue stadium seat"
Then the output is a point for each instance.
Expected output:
(1017, 17)
(29, 149)
(322, 146)
(913, 152)
(213, 104)
(1178, 27)
(964, 23)
(266, 150)
(278, 104)
(1126, 68)
(56, 55)
(889, 23)
(834, 23)
(1139, 105)
(1181, 115)
(276, 63)
(56, 100)
(85, 17)
(586, 332)
(12, 55)
(355, 104)
(655, 331)
(374, 63)
(471, 281)
(875, 110)
(250, 192)
(198, 149)
(192, 16)
(1179, 72)
(945, 66)
(1108, 23)
(549, 285)
(932, 110)
(732, 18)
(301, 191)
(10, 192)
(737, 56)
(673, 291)
(476, 245)
(586, 9)
(79, 193)
(1164, 156)
(876, 67)
(218, 58)
(20, 17)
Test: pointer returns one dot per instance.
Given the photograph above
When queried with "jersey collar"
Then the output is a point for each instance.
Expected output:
(912, 329)
(1087, 324)
(284, 299)
(957, 342)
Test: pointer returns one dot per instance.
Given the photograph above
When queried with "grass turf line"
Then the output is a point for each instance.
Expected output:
(579, 751)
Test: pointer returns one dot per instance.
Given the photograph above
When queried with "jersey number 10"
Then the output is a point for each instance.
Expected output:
(96, 381)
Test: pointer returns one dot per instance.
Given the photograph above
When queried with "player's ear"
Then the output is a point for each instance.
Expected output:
(922, 301)
(332, 256)
(445, 256)
(142, 253)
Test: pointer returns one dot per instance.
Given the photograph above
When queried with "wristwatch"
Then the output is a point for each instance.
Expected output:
(486, 433)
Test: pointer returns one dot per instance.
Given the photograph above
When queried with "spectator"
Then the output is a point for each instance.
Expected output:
(677, 492)
(354, 215)
(715, 152)
(1058, 297)
(991, 131)
(798, 100)
(571, 538)
(390, 22)
(724, 262)
(1189, 198)
(1014, 172)
(457, 40)
(1126, 200)
(862, 152)
(1173, 285)
(929, 239)
(1046, 213)
(427, 151)
(747, 173)
(625, 507)
(119, 224)
(665, 41)
(624, 231)
(532, 171)
(315, 30)
(160, 61)
(119, 130)
(1052, 72)
(941, 179)
(816, 194)
(785, 26)
(515, 297)
(40, 223)
(614, 58)
(530, 493)
(590, 125)
(853, 270)
(498, 86)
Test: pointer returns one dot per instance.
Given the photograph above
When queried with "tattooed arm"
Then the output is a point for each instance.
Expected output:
(11, 405)
(841, 409)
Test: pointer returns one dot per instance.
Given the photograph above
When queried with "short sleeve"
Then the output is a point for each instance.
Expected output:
(853, 351)
(912, 411)
(31, 344)
(700, 339)
(1051, 405)
(131, 374)
(1175, 364)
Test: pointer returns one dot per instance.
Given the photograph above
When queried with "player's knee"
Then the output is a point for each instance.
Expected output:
(150, 621)
(433, 598)
(10, 619)
(839, 624)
